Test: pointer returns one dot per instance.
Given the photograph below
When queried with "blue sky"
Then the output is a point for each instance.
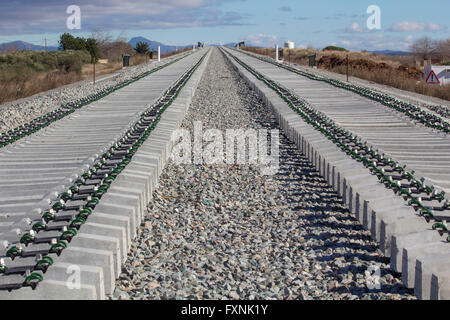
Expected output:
(317, 23)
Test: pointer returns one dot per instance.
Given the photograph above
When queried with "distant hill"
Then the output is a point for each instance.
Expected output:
(233, 44)
(21, 45)
(392, 53)
(153, 45)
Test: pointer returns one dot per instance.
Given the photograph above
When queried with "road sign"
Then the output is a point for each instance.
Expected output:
(432, 78)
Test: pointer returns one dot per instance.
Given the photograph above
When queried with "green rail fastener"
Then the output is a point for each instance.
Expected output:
(66, 195)
(395, 186)
(100, 192)
(107, 181)
(416, 203)
(439, 196)
(441, 227)
(59, 205)
(28, 238)
(386, 180)
(406, 193)
(43, 264)
(76, 223)
(14, 251)
(49, 215)
(427, 214)
(69, 234)
(80, 181)
(428, 190)
(84, 213)
(33, 279)
(93, 202)
(419, 184)
(408, 175)
(74, 189)
(58, 246)
(39, 226)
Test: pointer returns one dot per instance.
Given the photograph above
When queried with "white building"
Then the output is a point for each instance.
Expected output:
(289, 45)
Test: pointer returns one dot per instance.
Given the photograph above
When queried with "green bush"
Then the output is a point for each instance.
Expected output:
(20, 65)
(72, 61)
(334, 48)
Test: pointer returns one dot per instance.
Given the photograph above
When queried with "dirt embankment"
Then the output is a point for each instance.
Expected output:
(330, 62)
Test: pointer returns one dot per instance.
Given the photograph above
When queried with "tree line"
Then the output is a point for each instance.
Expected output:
(437, 50)
(101, 45)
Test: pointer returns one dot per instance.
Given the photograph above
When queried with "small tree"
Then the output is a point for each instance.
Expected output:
(69, 42)
(93, 48)
(423, 48)
(142, 48)
(442, 49)
(66, 41)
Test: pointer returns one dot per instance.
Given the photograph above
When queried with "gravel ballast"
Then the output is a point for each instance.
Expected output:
(228, 232)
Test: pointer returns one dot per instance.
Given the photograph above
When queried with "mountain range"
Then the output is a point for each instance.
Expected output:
(22, 45)
(392, 53)
(153, 45)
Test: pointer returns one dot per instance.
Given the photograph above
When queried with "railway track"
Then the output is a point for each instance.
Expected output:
(75, 183)
(231, 232)
(57, 169)
(405, 147)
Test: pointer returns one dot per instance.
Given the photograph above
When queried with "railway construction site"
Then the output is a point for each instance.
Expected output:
(106, 197)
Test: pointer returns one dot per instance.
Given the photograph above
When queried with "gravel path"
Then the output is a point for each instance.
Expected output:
(228, 232)
(13, 114)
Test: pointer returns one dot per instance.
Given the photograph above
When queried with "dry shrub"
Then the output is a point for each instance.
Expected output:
(37, 82)
(165, 55)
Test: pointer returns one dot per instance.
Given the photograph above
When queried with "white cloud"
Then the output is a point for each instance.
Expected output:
(376, 41)
(411, 26)
(263, 40)
(285, 9)
(355, 28)
(30, 16)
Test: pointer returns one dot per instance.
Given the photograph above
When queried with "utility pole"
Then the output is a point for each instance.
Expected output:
(347, 67)
(45, 39)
